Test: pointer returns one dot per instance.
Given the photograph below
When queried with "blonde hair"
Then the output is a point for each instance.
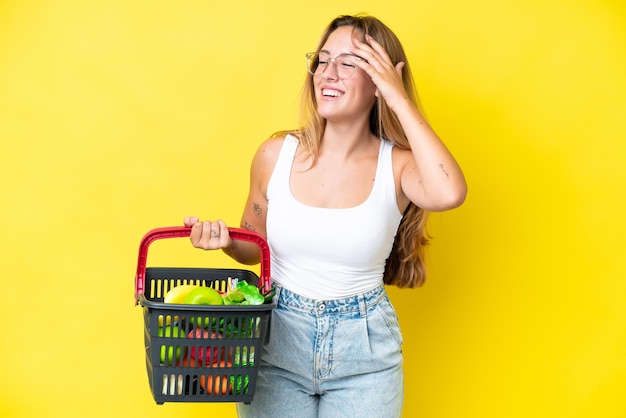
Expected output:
(405, 267)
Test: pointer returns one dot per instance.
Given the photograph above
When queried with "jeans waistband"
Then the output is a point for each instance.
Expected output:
(356, 303)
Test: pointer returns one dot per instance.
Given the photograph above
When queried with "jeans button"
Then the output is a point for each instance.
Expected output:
(321, 307)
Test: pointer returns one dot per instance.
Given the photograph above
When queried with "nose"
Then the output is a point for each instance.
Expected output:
(330, 72)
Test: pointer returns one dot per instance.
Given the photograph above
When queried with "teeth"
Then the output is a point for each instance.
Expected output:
(332, 93)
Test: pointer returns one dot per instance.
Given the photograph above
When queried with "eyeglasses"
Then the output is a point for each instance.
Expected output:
(345, 64)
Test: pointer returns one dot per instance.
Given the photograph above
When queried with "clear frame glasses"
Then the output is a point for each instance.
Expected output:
(345, 64)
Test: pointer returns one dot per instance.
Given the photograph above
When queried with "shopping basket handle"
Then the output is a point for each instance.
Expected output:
(184, 231)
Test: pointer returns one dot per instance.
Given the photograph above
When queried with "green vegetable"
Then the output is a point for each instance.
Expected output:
(243, 358)
(244, 294)
(238, 327)
(269, 295)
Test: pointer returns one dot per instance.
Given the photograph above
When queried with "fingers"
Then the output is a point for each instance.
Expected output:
(190, 220)
(399, 67)
(377, 62)
(209, 235)
(378, 65)
(374, 53)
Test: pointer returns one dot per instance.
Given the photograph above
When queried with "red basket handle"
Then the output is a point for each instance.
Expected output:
(184, 231)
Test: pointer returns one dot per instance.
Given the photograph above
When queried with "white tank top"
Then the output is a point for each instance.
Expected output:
(329, 253)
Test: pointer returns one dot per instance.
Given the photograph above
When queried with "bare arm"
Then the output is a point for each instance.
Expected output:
(430, 176)
(211, 235)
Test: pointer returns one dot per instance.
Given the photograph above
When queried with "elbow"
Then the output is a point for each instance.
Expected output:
(457, 199)
(450, 200)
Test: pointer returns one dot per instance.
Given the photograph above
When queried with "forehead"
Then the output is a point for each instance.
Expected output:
(340, 40)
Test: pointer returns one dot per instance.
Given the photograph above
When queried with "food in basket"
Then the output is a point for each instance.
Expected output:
(171, 353)
(179, 293)
(212, 384)
(203, 295)
(172, 385)
(243, 294)
(244, 357)
(208, 321)
(167, 320)
(211, 379)
(211, 387)
(208, 356)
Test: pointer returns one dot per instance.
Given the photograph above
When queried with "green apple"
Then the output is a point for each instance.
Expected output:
(203, 295)
(198, 319)
(171, 353)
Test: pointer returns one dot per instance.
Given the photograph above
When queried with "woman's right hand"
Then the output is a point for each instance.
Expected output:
(208, 235)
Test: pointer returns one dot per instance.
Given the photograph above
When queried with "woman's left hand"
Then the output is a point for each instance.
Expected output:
(378, 65)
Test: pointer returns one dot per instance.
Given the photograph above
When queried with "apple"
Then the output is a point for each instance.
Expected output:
(170, 354)
(203, 295)
(209, 356)
(206, 323)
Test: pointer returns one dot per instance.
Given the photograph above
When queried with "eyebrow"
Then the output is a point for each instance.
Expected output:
(325, 51)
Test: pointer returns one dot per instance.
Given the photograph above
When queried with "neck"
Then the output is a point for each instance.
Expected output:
(343, 141)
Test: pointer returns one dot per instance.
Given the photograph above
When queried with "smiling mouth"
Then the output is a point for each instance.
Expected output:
(331, 93)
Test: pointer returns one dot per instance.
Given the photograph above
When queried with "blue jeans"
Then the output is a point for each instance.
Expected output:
(336, 358)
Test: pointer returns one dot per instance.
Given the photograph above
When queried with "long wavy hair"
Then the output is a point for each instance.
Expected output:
(405, 267)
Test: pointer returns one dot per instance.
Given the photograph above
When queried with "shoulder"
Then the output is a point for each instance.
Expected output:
(266, 156)
(274, 143)
(269, 149)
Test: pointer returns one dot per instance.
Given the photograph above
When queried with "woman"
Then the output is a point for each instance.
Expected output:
(343, 203)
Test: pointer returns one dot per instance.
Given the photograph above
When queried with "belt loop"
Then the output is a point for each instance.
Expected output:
(277, 289)
(362, 306)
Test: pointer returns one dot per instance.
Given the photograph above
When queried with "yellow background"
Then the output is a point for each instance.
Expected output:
(117, 117)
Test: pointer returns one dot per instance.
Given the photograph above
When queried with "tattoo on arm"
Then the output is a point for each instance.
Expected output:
(444, 170)
(256, 208)
(247, 226)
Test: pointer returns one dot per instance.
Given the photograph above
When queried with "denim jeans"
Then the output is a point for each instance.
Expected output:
(336, 358)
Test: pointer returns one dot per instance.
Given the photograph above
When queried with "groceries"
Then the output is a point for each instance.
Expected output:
(210, 347)
(239, 292)
(208, 352)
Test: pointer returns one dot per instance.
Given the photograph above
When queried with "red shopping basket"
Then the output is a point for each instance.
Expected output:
(201, 353)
